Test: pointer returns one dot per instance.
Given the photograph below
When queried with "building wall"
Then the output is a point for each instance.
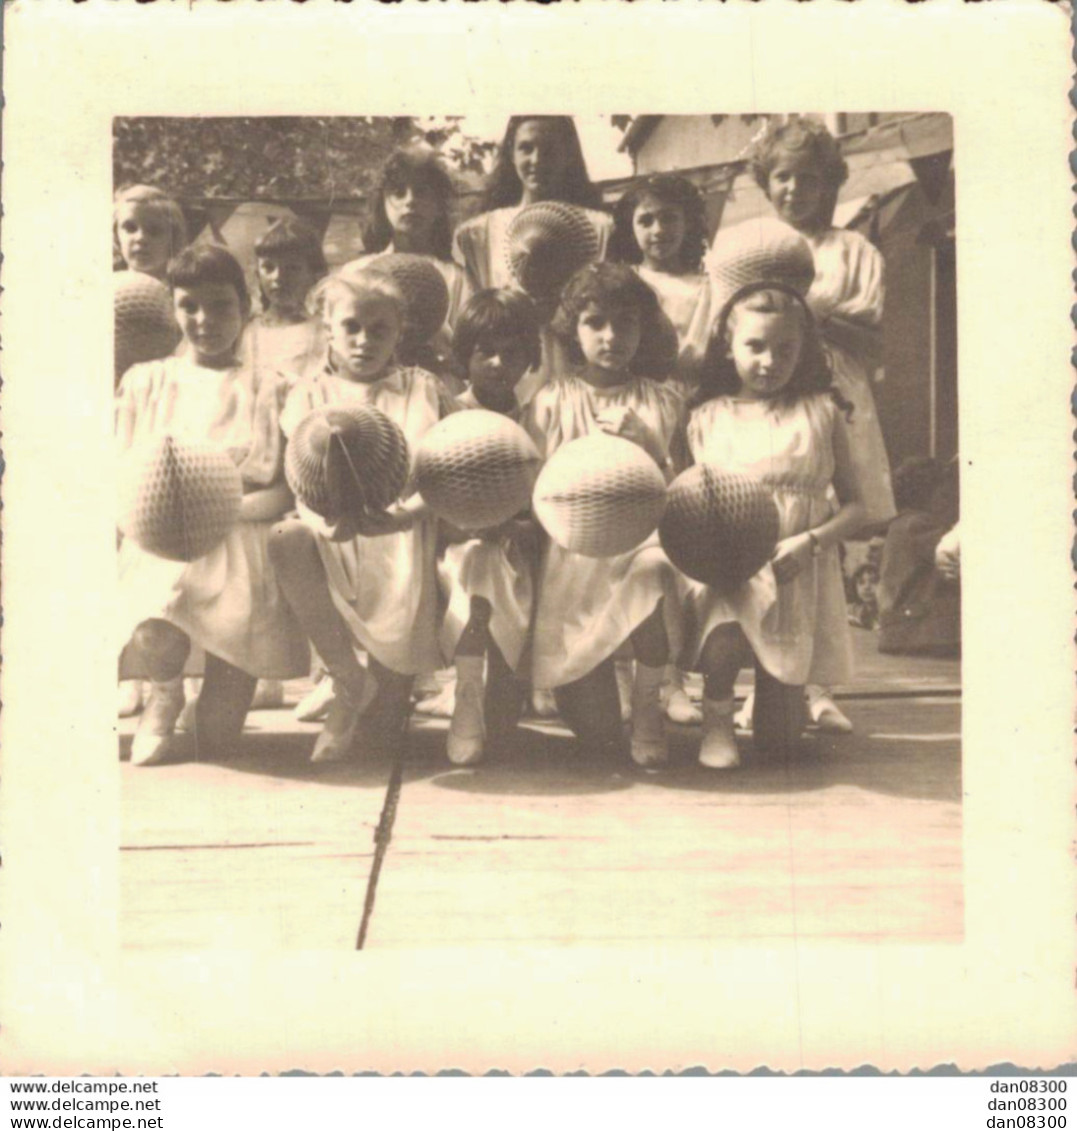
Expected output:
(684, 141)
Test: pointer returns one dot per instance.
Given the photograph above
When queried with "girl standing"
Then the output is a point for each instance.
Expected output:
(227, 602)
(590, 607)
(800, 167)
(766, 408)
(365, 583)
(148, 229)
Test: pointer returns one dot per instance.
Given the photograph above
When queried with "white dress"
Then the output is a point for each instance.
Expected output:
(227, 602)
(588, 607)
(849, 284)
(479, 246)
(500, 572)
(686, 302)
(385, 587)
(292, 350)
(798, 630)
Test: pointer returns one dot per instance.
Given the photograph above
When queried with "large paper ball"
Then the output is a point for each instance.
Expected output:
(758, 252)
(426, 297)
(179, 499)
(546, 244)
(345, 460)
(599, 496)
(144, 328)
(719, 527)
(476, 468)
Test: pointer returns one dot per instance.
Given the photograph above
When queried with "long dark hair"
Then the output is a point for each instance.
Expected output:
(718, 375)
(503, 188)
(614, 287)
(411, 167)
(669, 189)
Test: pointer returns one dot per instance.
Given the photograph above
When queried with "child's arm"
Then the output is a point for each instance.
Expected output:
(267, 504)
(794, 553)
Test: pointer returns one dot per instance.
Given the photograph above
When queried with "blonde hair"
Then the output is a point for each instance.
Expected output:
(355, 283)
(154, 200)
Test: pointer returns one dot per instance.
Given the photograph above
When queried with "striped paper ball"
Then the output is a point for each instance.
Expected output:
(179, 499)
(546, 244)
(426, 296)
(476, 468)
(144, 326)
(757, 252)
(599, 495)
(345, 460)
(720, 527)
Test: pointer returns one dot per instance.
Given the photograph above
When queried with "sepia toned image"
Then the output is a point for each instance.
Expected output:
(538, 530)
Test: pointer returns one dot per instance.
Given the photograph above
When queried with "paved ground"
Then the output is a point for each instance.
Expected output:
(859, 837)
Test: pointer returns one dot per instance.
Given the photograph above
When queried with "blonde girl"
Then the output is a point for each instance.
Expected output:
(148, 229)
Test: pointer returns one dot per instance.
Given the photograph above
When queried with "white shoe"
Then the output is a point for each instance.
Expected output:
(442, 703)
(467, 731)
(314, 706)
(342, 721)
(742, 720)
(623, 670)
(679, 706)
(826, 714)
(543, 702)
(129, 699)
(649, 745)
(153, 735)
(718, 751)
(268, 695)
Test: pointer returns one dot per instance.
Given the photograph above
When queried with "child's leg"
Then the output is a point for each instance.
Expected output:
(164, 650)
(467, 730)
(651, 648)
(724, 653)
(778, 714)
(592, 709)
(388, 714)
(223, 703)
(825, 712)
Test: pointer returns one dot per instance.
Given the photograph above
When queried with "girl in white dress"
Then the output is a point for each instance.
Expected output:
(148, 229)
(766, 408)
(800, 167)
(489, 579)
(364, 582)
(590, 607)
(226, 602)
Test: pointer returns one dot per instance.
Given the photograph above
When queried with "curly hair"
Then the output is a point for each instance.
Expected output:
(496, 313)
(614, 287)
(503, 188)
(200, 264)
(802, 136)
(414, 167)
(718, 373)
(668, 189)
(153, 200)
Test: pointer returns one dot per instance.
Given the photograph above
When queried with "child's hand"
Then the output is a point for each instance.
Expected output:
(624, 422)
(790, 557)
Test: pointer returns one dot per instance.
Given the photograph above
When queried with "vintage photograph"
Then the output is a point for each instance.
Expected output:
(537, 530)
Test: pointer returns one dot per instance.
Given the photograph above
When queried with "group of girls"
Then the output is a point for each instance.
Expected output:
(751, 386)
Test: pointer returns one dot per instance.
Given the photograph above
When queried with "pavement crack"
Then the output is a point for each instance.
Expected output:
(383, 834)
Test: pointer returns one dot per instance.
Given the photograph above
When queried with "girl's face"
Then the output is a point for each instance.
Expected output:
(865, 586)
(539, 159)
(765, 349)
(412, 211)
(145, 238)
(363, 331)
(211, 317)
(285, 279)
(796, 190)
(497, 364)
(608, 341)
(659, 230)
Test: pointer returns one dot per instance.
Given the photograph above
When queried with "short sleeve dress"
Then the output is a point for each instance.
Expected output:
(588, 607)
(227, 602)
(479, 246)
(797, 630)
(499, 571)
(384, 587)
(849, 284)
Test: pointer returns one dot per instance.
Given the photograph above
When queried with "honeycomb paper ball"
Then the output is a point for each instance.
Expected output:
(476, 469)
(145, 328)
(599, 495)
(426, 297)
(756, 252)
(719, 527)
(345, 460)
(546, 244)
(179, 499)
